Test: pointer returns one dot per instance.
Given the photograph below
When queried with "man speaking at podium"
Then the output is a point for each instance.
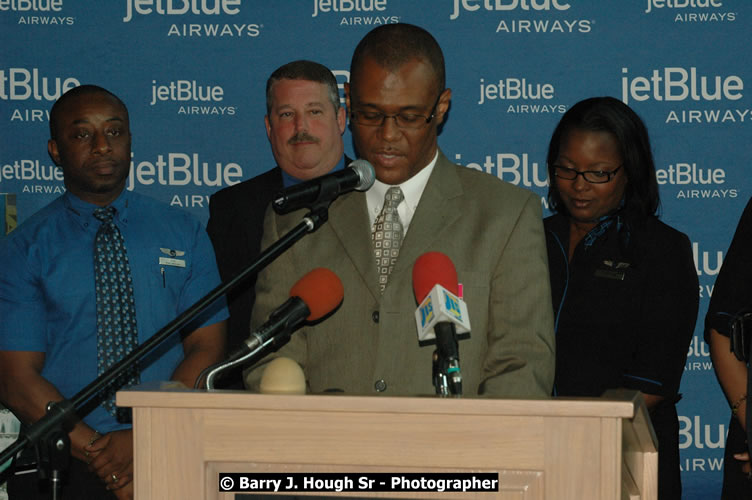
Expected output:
(490, 230)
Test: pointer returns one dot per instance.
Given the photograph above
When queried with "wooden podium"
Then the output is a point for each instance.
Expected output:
(555, 449)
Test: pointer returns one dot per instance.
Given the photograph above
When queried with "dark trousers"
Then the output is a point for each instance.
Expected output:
(736, 484)
(666, 424)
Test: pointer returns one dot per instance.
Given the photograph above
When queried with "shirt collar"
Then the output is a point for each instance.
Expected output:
(412, 189)
(83, 211)
(288, 180)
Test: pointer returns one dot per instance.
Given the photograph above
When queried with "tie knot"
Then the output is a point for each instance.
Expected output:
(104, 214)
(393, 196)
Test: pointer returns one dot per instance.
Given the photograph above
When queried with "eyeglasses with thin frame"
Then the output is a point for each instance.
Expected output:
(591, 176)
(402, 120)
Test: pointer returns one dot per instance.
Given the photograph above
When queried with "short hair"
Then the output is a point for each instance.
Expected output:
(607, 114)
(72, 93)
(304, 70)
(393, 45)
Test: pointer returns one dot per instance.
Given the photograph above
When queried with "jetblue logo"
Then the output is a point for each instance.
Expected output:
(512, 168)
(325, 6)
(705, 262)
(696, 182)
(514, 89)
(681, 4)
(32, 5)
(185, 90)
(690, 173)
(21, 84)
(692, 433)
(180, 7)
(182, 169)
(680, 84)
(30, 170)
(505, 5)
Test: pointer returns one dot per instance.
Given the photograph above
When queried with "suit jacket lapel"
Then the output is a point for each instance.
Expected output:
(349, 222)
(440, 205)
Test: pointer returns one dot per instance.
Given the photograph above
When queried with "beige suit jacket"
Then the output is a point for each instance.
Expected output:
(493, 233)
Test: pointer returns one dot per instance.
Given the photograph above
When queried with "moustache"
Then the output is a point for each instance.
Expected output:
(302, 137)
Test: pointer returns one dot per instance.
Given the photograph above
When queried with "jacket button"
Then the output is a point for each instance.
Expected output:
(380, 385)
(375, 316)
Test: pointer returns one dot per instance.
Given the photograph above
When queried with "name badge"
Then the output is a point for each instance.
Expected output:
(612, 270)
(606, 273)
(167, 261)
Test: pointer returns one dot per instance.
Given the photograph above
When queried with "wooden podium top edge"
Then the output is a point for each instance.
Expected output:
(620, 404)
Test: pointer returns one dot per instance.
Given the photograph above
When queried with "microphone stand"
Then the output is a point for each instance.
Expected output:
(446, 375)
(447, 378)
(438, 374)
(255, 354)
(50, 433)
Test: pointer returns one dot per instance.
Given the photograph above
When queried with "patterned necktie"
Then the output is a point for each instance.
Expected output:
(117, 334)
(387, 235)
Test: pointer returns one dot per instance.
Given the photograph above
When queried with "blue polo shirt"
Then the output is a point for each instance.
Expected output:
(47, 298)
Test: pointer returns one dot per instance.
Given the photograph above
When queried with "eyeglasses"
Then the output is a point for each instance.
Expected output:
(592, 176)
(402, 120)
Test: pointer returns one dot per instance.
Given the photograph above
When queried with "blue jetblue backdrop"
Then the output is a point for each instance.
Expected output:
(192, 73)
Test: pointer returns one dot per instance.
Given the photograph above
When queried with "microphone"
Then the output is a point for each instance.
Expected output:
(359, 176)
(282, 376)
(435, 287)
(440, 315)
(312, 297)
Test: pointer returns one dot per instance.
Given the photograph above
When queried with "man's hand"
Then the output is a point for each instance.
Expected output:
(124, 493)
(746, 466)
(113, 459)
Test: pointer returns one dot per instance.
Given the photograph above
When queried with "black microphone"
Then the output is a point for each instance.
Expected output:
(359, 176)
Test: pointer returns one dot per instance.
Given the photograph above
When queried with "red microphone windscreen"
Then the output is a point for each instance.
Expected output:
(430, 269)
(321, 290)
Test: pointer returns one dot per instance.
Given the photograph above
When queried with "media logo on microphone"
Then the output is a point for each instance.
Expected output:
(440, 305)
(452, 305)
(426, 312)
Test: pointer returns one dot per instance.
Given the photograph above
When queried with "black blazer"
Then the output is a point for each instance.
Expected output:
(236, 223)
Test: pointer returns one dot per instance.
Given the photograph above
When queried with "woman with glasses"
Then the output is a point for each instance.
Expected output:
(623, 283)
